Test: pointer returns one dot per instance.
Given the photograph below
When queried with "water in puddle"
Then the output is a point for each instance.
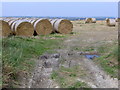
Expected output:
(91, 56)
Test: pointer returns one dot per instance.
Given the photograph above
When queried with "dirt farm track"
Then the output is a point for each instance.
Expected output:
(86, 38)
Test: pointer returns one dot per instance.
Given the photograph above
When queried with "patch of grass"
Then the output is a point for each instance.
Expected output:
(109, 60)
(89, 49)
(78, 84)
(61, 80)
(51, 51)
(72, 71)
(115, 52)
(72, 75)
(109, 57)
(55, 36)
(107, 67)
(54, 75)
(76, 48)
(73, 33)
(66, 77)
(102, 49)
(84, 49)
(19, 54)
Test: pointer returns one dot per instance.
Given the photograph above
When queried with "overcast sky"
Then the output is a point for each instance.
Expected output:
(72, 9)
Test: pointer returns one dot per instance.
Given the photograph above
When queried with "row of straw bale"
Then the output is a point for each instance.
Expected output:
(109, 22)
(90, 20)
(28, 26)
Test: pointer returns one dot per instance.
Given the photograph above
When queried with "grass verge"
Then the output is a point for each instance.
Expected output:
(109, 59)
(19, 54)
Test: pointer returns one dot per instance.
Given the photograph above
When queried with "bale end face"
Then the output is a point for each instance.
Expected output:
(93, 20)
(43, 27)
(5, 30)
(90, 20)
(110, 22)
(24, 28)
(63, 26)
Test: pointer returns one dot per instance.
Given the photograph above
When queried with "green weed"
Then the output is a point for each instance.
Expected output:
(19, 54)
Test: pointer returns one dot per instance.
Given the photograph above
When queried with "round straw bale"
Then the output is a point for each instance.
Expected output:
(22, 28)
(88, 20)
(7, 20)
(20, 18)
(11, 22)
(106, 19)
(15, 18)
(33, 21)
(42, 26)
(93, 20)
(117, 19)
(27, 18)
(110, 22)
(52, 21)
(13, 26)
(4, 29)
(30, 21)
(63, 26)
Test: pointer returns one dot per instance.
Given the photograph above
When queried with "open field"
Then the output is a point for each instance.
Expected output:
(22, 58)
